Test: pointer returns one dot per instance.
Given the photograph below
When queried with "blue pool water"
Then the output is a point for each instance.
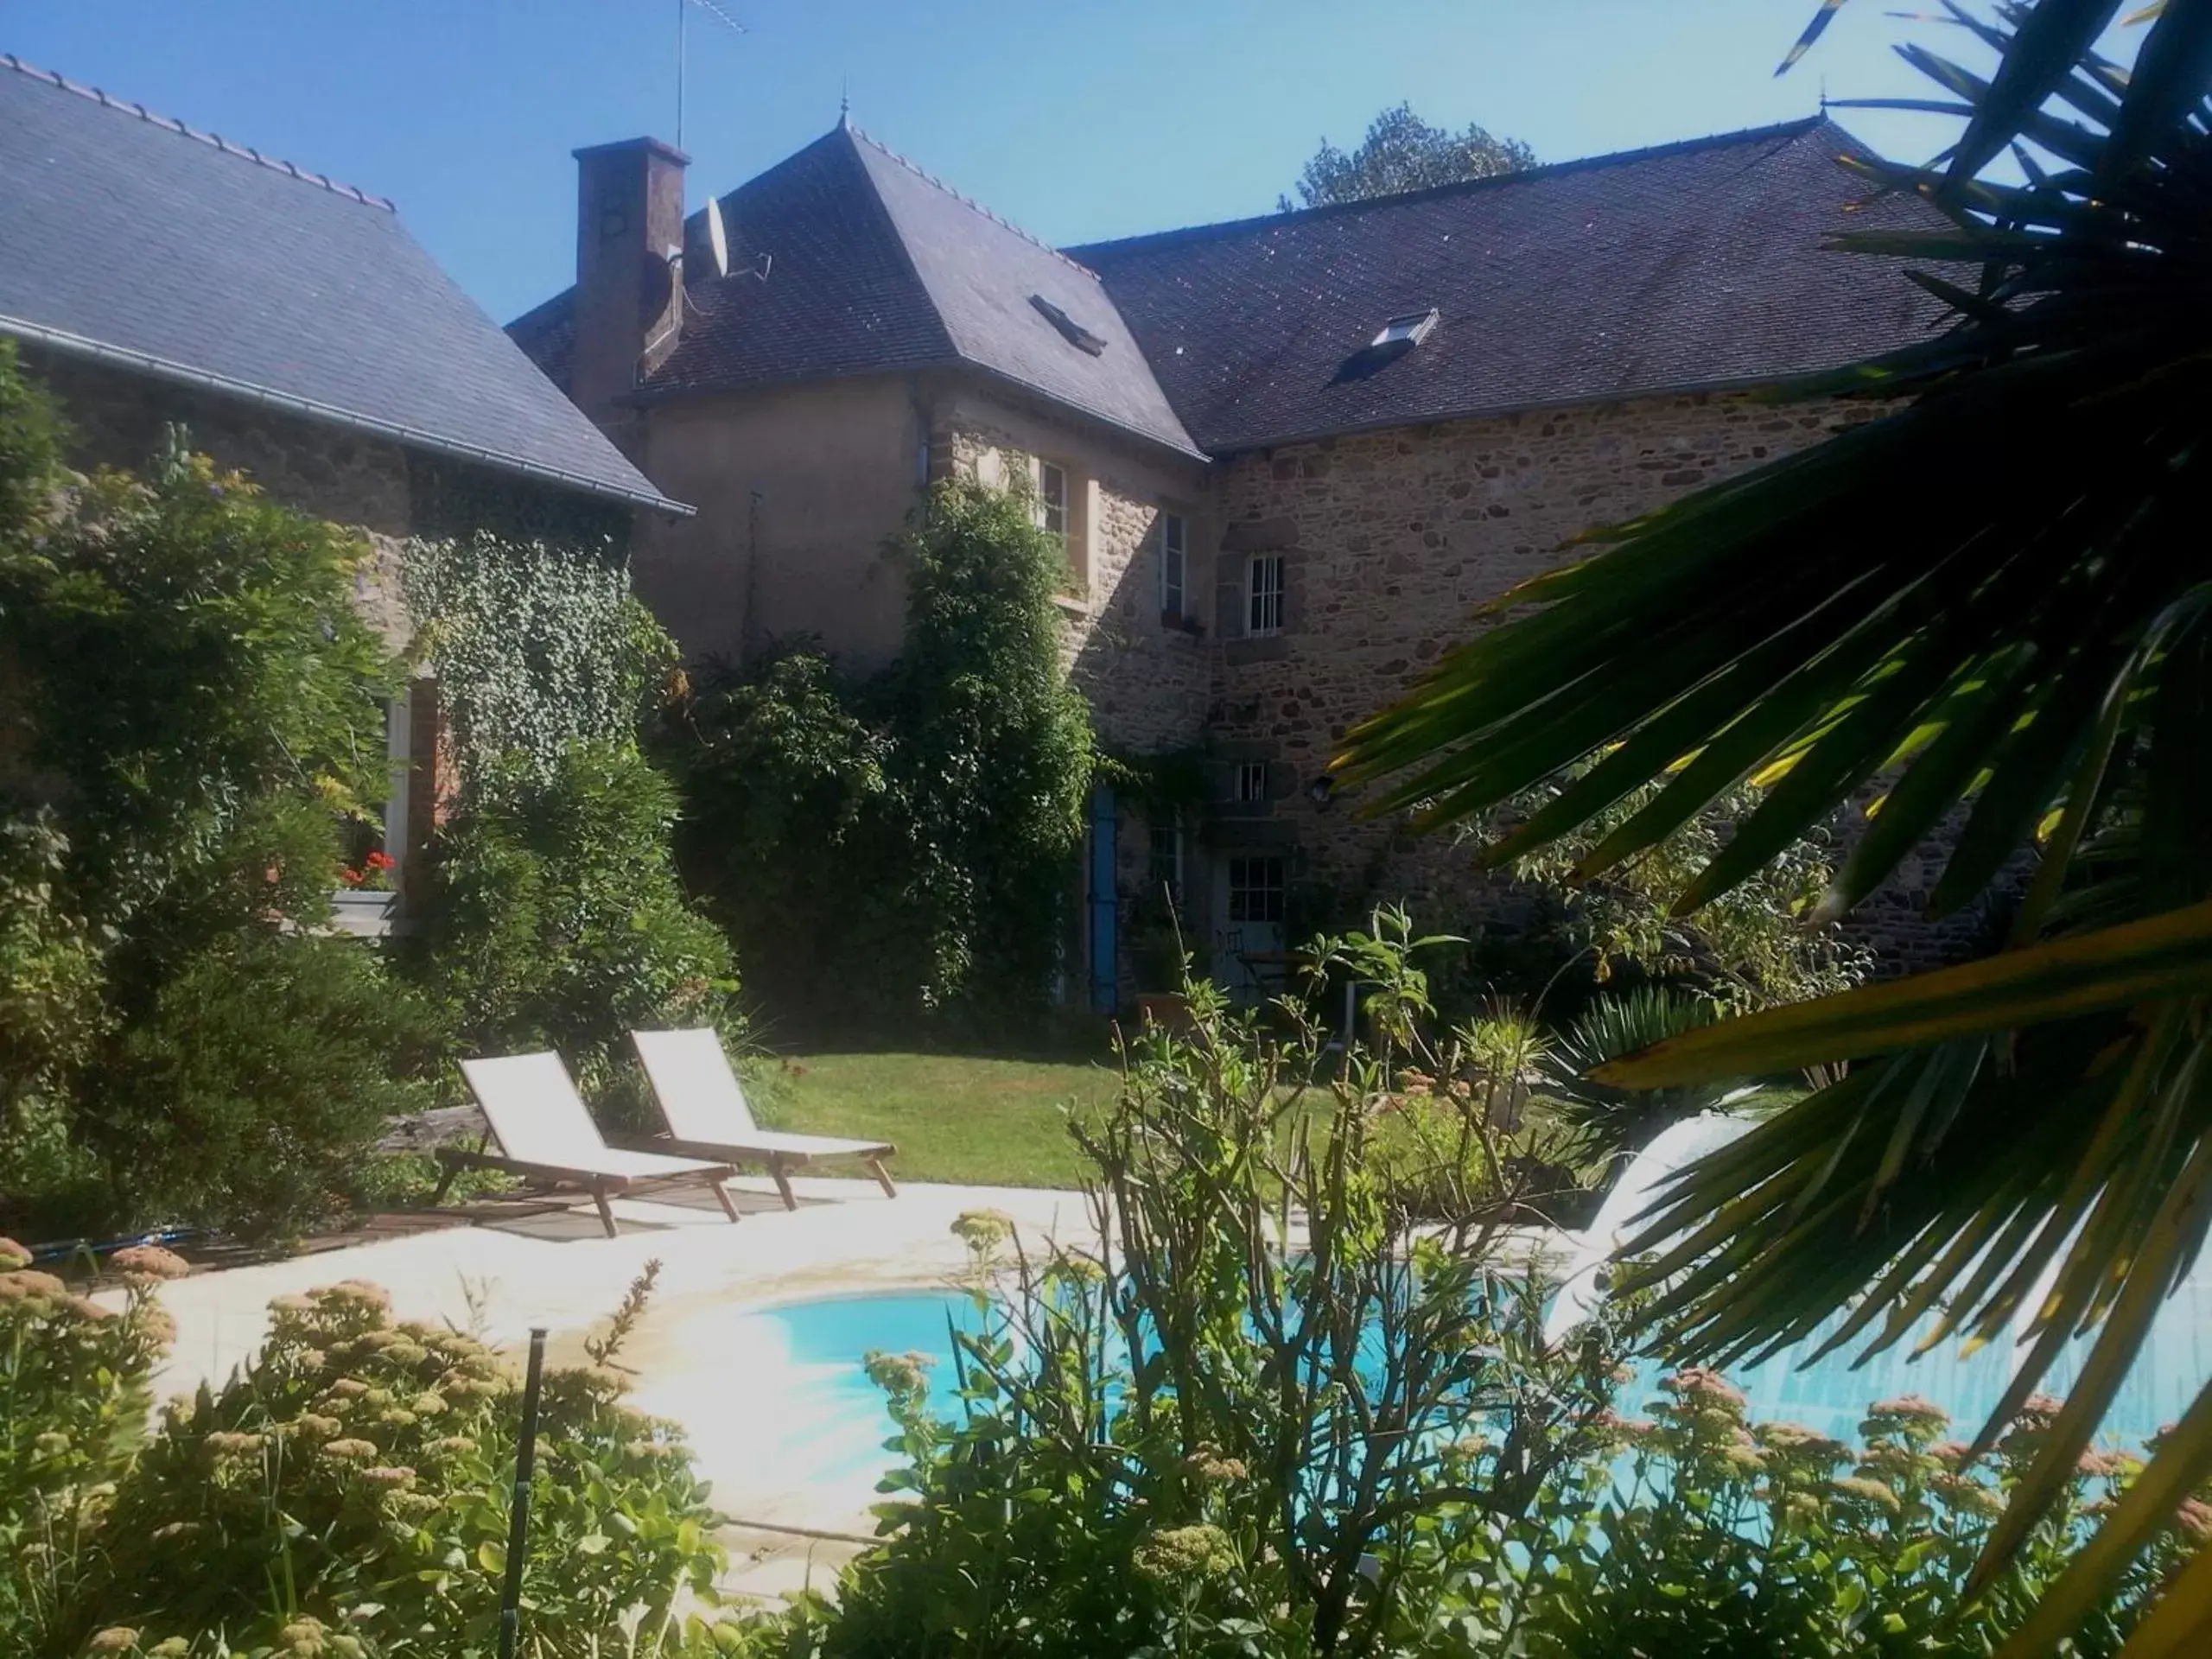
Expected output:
(830, 1422)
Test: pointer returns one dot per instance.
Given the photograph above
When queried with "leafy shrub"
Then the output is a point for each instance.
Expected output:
(1753, 945)
(73, 1399)
(347, 1494)
(244, 1098)
(1224, 1433)
(994, 756)
(1699, 1532)
(561, 921)
(788, 799)
(191, 705)
(904, 843)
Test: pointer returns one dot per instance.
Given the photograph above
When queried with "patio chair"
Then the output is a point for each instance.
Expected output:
(546, 1133)
(707, 1115)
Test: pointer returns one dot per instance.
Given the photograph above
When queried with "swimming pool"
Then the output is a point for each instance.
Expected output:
(810, 1418)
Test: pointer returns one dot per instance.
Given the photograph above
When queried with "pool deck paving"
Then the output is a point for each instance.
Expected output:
(551, 1266)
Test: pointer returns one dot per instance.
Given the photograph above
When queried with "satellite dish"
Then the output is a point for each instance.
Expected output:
(717, 237)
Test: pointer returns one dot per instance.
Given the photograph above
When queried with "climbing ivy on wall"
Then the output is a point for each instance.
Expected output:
(559, 918)
(902, 848)
(537, 645)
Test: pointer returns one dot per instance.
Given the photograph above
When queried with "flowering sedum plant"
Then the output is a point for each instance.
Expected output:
(73, 1408)
(345, 1494)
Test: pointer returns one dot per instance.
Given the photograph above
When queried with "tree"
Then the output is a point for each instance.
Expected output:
(191, 704)
(1403, 152)
(1995, 595)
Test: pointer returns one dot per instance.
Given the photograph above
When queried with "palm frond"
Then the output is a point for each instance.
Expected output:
(1990, 608)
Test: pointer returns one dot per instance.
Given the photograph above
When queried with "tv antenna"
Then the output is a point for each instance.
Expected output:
(682, 18)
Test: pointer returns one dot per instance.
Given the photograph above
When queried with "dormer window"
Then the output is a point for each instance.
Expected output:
(1405, 331)
(1073, 332)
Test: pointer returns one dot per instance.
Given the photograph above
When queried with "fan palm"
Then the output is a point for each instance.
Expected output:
(1991, 601)
(1607, 1121)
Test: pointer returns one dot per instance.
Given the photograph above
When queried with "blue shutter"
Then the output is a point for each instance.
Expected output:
(1105, 992)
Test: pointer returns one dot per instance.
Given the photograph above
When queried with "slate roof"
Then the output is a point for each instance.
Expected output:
(871, 265)
(1692, 265)
(139, 241)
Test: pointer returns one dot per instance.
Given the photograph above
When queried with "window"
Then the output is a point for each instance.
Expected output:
(1255, 889)
(1263, 595)
(1409, 330)
(1053, 501)
(1166, 874)
(1252, 781)
(1174, 541)
(1071, 331)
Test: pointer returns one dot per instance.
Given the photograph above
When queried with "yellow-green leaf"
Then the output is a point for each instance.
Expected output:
(2166, 955)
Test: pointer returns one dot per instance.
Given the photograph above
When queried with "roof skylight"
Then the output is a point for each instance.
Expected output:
(1408, 330)
(1076, 334)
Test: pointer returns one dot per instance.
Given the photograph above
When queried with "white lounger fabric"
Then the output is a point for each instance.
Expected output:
(538, 1117)
(703, 1101)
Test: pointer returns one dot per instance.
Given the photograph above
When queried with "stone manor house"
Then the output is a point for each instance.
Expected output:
(1287, 456)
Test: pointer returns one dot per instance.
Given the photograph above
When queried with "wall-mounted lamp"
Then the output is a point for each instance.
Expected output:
(1322, 789)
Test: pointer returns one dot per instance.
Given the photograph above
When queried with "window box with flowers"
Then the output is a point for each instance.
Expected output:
(367, 900)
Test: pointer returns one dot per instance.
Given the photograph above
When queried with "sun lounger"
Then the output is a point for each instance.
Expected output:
(546, 1133)
(707, 1115)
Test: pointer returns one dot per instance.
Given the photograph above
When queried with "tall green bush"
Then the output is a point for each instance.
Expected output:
(556, 915)
(561, 921)
(994, 754)
(1245, 1421)
(192, 706)
(901, 848)
(790, 833)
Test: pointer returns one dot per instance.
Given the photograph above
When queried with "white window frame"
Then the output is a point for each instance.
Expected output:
(1174, 563)
(1266, 579)
(399, 765)
(1251, 781)
(1248, 896)
(1049, 504)
(1408, 330)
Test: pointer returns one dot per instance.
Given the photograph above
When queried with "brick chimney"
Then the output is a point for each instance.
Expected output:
(629, 216)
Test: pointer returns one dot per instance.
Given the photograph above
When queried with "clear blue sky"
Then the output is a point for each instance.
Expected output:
(1076, 119)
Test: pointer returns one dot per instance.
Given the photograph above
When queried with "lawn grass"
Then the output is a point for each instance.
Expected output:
(989, 1122)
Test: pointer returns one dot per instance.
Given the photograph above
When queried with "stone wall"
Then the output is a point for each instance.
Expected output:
(1390, 540)
(121, 420)
(1146, 675)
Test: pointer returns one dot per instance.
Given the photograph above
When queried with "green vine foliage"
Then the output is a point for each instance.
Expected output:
(559, 919)
(899, 849)
(191, 706)
(1754, 946)
(538, 645)
(994, 755)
